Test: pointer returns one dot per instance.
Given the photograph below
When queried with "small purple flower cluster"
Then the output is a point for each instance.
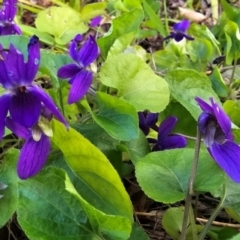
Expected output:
(165, 139)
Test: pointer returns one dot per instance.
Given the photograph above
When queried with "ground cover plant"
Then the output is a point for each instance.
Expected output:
(119, 120)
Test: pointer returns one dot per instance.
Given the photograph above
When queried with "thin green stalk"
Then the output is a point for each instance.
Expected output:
(193, 224)
(211, 219)
(61, 100)
(166, 19)
(233, 70)
(190, 187)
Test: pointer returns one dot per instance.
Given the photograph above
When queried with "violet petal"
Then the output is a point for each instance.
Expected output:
(204, 106)
(172, 34)
(9, 10)
(166, 127)
(33, 59)
(188, 37)
(33, 157)
(4, 103)
(10, 30)
(178, 36)
(227, 157)
(68, 71)
(73, 50)
(88, 53)
(181, 26)
(25, 107)
(48, 102)
(209, 135)
(171, 142)
(151, 119)
(17, 129)
(80, 85)
(15, 67)
(95, 21)
(203, 120)
(221, 117)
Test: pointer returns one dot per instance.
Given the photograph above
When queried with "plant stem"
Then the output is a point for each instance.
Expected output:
(165, 15)
(233, 70)
(211, 219)
(190, 187)
(61, 100)
(193, 224)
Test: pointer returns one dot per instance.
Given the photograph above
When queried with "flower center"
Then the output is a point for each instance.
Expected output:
(22, 89)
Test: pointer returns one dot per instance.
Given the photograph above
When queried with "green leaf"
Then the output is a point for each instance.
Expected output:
(172, 221)
(165, 59)
(185, 85)
(103, 141)
(200, 50)
(154, 18)
(237, 237)
(164, 175)
(121, 43)
(233, 214)
(230, 195)
(8, 176)
(232, 34)
(19, 42)
(50, 63)
(218, 83)
(232, 109)
(57, 212)
(139, 86)
(227, 233)
(203, 32)
(62, 22)
(92, 10)
(124, 24)
(138, 233)
(93, 170)
(62, 213)
(117, 117)
(137, 148)
(44, 37)
(232, 13)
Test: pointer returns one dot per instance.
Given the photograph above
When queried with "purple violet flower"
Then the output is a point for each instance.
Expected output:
(167, 140)
(95, 21)
(35, 151)
(180, 31)
(215, 126)
(7, 14)
(147, 121)
(80, 77)
(23, 99)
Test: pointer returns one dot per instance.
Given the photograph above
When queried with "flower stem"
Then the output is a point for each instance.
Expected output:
(211, 219)
(233, 70)
(190, 187)
(165, 15)
(61, 100)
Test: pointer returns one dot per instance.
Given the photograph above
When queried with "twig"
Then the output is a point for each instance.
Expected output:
(150, 214)
(202, 220)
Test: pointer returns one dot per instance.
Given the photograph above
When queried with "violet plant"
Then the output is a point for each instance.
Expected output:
(66, 154)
